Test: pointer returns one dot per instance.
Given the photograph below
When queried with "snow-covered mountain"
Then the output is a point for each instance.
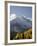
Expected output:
(20, 23)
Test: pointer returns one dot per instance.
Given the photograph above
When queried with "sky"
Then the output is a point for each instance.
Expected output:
(21, 10)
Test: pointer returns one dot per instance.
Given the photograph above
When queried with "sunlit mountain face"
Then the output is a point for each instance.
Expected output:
(20, 23)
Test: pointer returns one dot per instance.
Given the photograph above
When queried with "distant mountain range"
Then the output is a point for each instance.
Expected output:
(20, 24)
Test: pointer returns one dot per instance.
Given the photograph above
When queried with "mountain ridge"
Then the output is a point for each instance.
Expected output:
(20, 23)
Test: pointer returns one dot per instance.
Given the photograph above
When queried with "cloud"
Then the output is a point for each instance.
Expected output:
(12, 17)
(28, 18)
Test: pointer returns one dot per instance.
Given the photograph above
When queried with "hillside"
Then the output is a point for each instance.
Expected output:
(23, 35)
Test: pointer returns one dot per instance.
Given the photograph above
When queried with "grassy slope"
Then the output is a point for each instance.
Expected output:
(24, 35)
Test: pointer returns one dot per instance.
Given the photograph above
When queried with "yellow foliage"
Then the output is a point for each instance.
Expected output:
(24, 35)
